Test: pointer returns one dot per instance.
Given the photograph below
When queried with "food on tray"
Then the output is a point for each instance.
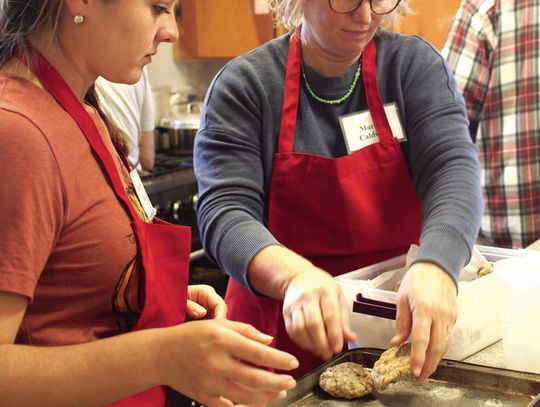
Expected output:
(347, 380)
(485, 269)
(392, 365)
(351, 380)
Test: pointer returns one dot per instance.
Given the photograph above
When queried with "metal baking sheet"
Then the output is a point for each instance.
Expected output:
(453, 384)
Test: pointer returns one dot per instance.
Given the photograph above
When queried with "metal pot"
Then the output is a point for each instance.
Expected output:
(162, 139)
(181, 130)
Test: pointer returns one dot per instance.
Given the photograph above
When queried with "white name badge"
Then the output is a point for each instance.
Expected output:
(142, 195)
(359, 131)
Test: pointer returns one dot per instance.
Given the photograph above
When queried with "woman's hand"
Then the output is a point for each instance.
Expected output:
(216, 362)
(314, 308)
(316, 313)
(203, 301)
(427, 310)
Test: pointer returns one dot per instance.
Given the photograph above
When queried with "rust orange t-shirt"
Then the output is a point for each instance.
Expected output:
(66, 240)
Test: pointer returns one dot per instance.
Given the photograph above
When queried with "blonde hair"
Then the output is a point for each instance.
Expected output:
(289, 13)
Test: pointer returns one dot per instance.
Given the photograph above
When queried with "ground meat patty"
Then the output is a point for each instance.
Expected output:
(347, 380)
(392, 365)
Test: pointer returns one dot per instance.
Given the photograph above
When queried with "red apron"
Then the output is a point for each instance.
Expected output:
(164, 247)
(342, 213)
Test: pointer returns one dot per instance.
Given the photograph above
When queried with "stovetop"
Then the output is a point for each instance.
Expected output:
(166, 164)
(169, 172)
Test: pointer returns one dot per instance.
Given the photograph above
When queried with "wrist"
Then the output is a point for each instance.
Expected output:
(156, 363)
(273, 270)
(286, 283)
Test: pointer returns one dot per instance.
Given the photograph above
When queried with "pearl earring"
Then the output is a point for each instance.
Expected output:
(78, 19)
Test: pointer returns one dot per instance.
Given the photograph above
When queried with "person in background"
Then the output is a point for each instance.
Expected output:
(131, 108)
(93, 288)
(493, 48)
(330, 148)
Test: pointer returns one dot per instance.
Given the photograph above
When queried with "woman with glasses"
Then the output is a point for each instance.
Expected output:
(95, 307)
(336, 146)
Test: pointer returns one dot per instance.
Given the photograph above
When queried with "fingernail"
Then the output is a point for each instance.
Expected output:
(265, 337)
(282, 394)
(293, 364)
(417, 371)
(290, 383)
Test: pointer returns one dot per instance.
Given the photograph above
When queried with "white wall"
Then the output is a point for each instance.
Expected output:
(187, 76)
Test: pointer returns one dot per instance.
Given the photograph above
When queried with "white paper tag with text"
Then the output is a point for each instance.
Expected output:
(142, 195)
(359, 131)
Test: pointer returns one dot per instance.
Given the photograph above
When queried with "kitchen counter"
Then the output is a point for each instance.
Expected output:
(491, 356)
(172, 180)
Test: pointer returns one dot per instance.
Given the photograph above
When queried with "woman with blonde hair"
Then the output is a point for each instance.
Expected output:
(93, 287)
(336, 146)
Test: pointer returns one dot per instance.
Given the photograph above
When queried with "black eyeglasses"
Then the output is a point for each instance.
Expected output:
(377, 6)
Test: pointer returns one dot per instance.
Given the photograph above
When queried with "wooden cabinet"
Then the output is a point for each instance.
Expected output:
(220, 29)
(432, 20)
(223, 29)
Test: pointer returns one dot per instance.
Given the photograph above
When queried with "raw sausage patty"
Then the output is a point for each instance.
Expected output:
(392, 365)
(347, 380)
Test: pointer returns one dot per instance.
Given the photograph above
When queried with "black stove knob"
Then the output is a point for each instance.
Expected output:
(177, 207)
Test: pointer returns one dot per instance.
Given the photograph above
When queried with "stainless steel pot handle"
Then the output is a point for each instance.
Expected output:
(194, 200)
(197, 254)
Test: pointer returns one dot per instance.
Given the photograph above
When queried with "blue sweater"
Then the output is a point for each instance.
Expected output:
(237, 140)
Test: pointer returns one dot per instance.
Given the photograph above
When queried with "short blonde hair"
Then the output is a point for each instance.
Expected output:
(289, 13)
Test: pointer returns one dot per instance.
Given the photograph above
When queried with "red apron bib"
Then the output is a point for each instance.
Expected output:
(164, 247)
(342, 213)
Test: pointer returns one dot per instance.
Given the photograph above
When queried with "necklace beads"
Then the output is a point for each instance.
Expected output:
(338, 100)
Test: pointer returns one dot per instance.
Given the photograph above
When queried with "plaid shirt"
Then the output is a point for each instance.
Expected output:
(494, 50)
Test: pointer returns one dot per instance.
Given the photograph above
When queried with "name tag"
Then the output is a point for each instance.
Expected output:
(359, 131)
(142, 195)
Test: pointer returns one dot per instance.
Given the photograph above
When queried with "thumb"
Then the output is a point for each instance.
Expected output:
(195, 310)
(403, 321)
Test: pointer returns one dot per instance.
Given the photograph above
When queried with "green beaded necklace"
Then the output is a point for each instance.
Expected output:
(338, 100)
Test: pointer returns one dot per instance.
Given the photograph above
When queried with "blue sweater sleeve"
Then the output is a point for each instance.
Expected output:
(443, 159)
(235, 147)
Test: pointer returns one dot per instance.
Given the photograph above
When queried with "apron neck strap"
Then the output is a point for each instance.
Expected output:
(59, 89)
(292, 92)
(289, 109)
(122, 156)
(373, 96)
